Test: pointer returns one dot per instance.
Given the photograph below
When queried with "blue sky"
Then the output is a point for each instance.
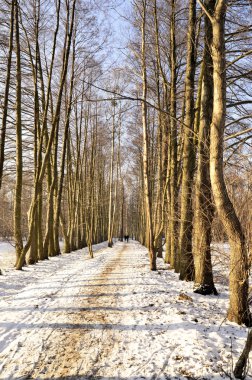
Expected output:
(120, 28)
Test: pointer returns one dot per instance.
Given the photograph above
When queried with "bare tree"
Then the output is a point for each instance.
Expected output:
(238, 307)
(186, 266)
(204, 209)
(6, 93)
(19, 151)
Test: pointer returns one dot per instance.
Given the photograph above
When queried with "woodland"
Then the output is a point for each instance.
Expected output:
(130, 118)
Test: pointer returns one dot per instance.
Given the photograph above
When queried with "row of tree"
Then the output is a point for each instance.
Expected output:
(194, 68)
(59, 156)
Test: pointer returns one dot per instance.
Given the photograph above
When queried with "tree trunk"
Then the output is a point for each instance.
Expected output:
(240, 367)
(185, 239)
(173, 147)
(122, 211)
(111, 177)
(34, 254)
(238, 308)
(19, 158)
(6, 93)
(204, 210)
(62, 163)
(147, 195)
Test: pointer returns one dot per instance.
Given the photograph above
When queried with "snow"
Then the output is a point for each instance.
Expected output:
(7, 255)
(110, 318)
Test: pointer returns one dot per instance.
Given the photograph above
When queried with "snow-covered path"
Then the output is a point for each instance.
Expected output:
(111, 318)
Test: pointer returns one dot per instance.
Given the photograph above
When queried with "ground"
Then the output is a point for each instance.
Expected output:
(110, 318)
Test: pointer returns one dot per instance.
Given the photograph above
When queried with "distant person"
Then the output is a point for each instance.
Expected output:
(127, 238)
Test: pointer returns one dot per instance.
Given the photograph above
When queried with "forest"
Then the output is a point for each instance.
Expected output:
(127, 120)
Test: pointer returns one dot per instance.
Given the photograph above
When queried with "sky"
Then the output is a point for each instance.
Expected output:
(120, 30)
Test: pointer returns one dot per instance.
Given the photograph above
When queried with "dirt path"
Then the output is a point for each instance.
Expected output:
(84, 324)
(110, 318)
(85, 344)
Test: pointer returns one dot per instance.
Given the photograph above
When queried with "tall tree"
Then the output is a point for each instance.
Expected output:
(7, 90)
(19, 150)
(146, 152)
(186, 266)
(238, 308)
(204, 210)
(111, 180)
(173, 207)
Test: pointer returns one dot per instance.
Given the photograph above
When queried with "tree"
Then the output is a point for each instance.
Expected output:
(204, 209)
(146, 173)
(240, 367)
(186, 266)
(19, 151)
(238, 308)
(7, 90)
(111, 180)
(173, 207)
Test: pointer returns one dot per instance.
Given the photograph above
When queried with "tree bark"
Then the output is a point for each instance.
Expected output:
(238, 308)
(186, 265)
(147, 195)
(240, 367)
(173, 225)
(204, 210)
(6, 93)
(19, 153)
(111, 178)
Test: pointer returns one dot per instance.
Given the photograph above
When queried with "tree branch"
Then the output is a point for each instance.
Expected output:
(211, 18)
(239, 134)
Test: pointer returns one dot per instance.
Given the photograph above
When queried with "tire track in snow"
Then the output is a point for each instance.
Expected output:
(83, 349)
